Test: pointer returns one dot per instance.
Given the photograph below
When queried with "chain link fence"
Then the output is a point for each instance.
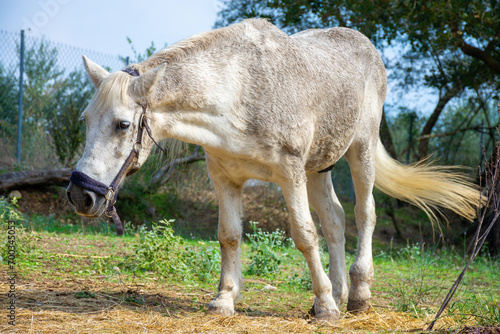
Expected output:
(50, 83)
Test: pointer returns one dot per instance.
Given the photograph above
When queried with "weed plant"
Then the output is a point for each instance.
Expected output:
(413, 293)
(205, 260)
(160, 250)
(265, 251)
(13, 235)
(482, 309)
(300, 279)
(425, 275)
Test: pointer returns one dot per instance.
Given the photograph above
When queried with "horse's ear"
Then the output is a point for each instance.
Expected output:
(141, 86)
(97, 73)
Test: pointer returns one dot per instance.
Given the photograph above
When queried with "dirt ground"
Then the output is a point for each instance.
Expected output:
(73, 304)
(93, 305)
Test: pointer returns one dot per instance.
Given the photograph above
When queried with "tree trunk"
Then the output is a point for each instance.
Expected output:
(386, 137)
(431, 122)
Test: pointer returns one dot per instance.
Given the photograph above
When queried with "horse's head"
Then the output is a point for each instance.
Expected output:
(113, 119)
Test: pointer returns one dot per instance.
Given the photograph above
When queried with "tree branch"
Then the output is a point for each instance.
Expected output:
(477, 128)
(490, 61)
(165, 173)
(385, 136)
(429, 125)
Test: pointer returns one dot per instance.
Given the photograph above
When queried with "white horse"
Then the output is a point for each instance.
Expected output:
(277, 108)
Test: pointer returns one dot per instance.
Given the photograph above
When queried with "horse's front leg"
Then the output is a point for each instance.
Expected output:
(230, 211)
(306, 240)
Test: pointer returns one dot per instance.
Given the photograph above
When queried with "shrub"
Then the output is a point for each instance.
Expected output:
(13, 236)
(265, 247)
(160, 251)
(204, 261)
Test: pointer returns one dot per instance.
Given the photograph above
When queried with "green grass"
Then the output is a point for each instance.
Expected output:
(412, 279)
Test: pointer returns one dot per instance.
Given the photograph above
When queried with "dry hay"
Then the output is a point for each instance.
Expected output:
(53, 307)
(146, 320)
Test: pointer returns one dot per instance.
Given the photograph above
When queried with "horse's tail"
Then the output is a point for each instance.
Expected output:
(431, 188)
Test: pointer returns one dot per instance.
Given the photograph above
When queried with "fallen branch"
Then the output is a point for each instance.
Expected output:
(32, 178)
(165, 173)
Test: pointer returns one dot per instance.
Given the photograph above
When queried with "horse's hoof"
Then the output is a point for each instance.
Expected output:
(326, 317)
(323, 316)
(354, 306)
(220, 310)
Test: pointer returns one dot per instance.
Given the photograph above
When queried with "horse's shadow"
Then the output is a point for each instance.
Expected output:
(87, 301)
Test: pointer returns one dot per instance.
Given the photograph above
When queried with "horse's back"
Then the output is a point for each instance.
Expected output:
(353, 82)
(356, 51)
(348, 50)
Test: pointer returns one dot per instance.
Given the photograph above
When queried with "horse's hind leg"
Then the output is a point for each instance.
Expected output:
(323, 199)
(306, 240)
(361, 156)
(229, 232)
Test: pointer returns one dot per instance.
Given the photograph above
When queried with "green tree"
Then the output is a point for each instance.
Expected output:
(8, 103)
(71, 96)
(469, 26)
(41, 75)
(52, 103)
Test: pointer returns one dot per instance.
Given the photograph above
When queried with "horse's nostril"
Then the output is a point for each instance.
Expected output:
(68, 195)
(88, 202)
(89, 198)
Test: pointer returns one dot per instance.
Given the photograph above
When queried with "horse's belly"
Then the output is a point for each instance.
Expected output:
(243, 168)
(328, 148)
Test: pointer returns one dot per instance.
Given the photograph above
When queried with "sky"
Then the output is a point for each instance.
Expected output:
(103, 26)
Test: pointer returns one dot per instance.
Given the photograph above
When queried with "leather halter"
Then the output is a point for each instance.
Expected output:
(129, 167)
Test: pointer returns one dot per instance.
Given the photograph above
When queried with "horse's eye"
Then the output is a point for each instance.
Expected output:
(124, 125)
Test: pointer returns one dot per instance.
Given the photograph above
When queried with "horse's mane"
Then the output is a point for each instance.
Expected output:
(114, 85)
(202, 42)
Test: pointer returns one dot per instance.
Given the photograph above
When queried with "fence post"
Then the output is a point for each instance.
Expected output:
(410, 130)
(20, 100)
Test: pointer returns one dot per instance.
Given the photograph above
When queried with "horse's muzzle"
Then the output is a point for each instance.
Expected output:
(86, 202)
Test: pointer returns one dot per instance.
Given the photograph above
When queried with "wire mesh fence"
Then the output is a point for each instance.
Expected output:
(49, 81)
